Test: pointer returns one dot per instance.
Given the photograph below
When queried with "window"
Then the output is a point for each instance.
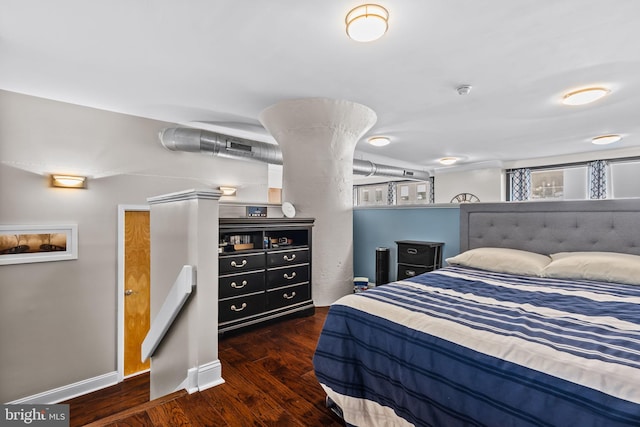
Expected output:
(394, 193)
(612, 178)
(568, 182)
(624, 178)
(371, 195)
(560, 184)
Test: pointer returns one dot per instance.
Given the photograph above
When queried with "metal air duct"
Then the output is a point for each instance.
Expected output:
(365, 167)
(202, 141)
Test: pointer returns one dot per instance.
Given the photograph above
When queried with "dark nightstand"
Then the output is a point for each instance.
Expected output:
(417, 257)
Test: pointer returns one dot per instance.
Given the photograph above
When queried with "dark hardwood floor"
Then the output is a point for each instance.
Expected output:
(269, 382)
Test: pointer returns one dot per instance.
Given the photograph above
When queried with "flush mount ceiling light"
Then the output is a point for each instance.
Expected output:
(448, 161)
(584, 96)
(379, 141)
(367, 22)
(606, 139)
(68, 181)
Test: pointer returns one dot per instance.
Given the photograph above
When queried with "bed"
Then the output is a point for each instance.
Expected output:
(535, 323)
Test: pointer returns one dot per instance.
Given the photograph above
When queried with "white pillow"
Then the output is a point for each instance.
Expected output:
(502, 260)
(601, 266)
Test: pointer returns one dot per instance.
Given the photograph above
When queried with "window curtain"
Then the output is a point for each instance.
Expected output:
(598, 179)
(391, 193)
(520, 184)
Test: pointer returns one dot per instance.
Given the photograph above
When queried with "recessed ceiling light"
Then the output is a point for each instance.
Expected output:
(606, 139)
(379, 141)
(447, 161)
(367, 22)
(584, 96)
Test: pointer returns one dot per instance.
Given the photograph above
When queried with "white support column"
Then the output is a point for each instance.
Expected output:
(318, 137)
(184, 231)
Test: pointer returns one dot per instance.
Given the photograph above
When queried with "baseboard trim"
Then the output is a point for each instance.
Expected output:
(209, 375)
(70, 391)
(192, 380)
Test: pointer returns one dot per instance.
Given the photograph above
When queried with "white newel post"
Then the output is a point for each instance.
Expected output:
(317, 137)
(184, 231)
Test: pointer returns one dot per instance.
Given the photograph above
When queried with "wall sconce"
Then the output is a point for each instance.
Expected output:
(68, 181)
(228, 191)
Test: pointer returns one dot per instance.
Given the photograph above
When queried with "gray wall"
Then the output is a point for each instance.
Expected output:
(58, 319)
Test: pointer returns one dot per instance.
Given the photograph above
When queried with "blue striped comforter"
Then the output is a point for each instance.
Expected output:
(464, 347)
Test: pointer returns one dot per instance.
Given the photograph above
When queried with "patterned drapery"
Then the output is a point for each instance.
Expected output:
(598, 179)
(520, 184)
(391, 193)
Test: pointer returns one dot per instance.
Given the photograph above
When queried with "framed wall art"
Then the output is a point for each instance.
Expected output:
(20, 244)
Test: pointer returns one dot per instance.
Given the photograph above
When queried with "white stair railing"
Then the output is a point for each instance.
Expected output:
(177, 296)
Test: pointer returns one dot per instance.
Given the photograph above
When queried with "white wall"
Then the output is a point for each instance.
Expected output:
(486, 184)
(58, 319)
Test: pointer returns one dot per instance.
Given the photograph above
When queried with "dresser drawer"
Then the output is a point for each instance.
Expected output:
(418, 254)
(299, 256)
(408, 271)
(289, 295)
(237, 308)
(240, 263)
(240, 284)
(287, 276)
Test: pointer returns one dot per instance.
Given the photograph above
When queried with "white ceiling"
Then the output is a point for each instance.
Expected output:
(222, 62)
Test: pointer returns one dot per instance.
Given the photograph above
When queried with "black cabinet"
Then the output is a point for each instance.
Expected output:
(264, 270)
(417, 257)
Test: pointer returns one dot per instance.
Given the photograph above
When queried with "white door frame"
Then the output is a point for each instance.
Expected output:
(120, 311)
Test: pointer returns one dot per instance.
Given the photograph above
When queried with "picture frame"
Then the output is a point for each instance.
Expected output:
(21, 244)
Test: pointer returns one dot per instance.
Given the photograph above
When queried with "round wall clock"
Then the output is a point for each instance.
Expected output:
(288, 210)
(464, 198)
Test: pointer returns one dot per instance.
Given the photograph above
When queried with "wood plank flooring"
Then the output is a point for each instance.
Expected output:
(269, 382)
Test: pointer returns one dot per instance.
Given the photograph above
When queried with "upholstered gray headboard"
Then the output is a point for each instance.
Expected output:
(548, 227)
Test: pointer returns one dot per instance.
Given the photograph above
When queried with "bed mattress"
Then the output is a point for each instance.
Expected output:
(466, 347)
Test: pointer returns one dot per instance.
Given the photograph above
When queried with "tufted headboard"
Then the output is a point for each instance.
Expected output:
(548, 227)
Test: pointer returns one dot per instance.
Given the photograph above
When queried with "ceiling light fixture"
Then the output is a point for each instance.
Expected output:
(379, 141)
(584, 96)
(606, 139)
(367, 22)
(448, 161)
(68, 181)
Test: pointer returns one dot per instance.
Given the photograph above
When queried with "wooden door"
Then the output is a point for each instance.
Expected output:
(136, 284)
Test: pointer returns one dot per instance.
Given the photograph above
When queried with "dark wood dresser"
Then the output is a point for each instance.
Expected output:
(417, 257)
(264, 270)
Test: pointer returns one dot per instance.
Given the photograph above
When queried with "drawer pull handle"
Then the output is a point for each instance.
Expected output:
(410, 273)
(286, 276)
(236, 286)
(234, 308)
(244, 262)
(293, 294)
(286, 258)
(412, 251)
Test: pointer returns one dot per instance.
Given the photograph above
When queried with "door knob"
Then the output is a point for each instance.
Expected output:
(128, 292)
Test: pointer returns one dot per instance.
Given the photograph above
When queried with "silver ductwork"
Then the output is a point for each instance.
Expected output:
(202, 141)
(365, 167)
